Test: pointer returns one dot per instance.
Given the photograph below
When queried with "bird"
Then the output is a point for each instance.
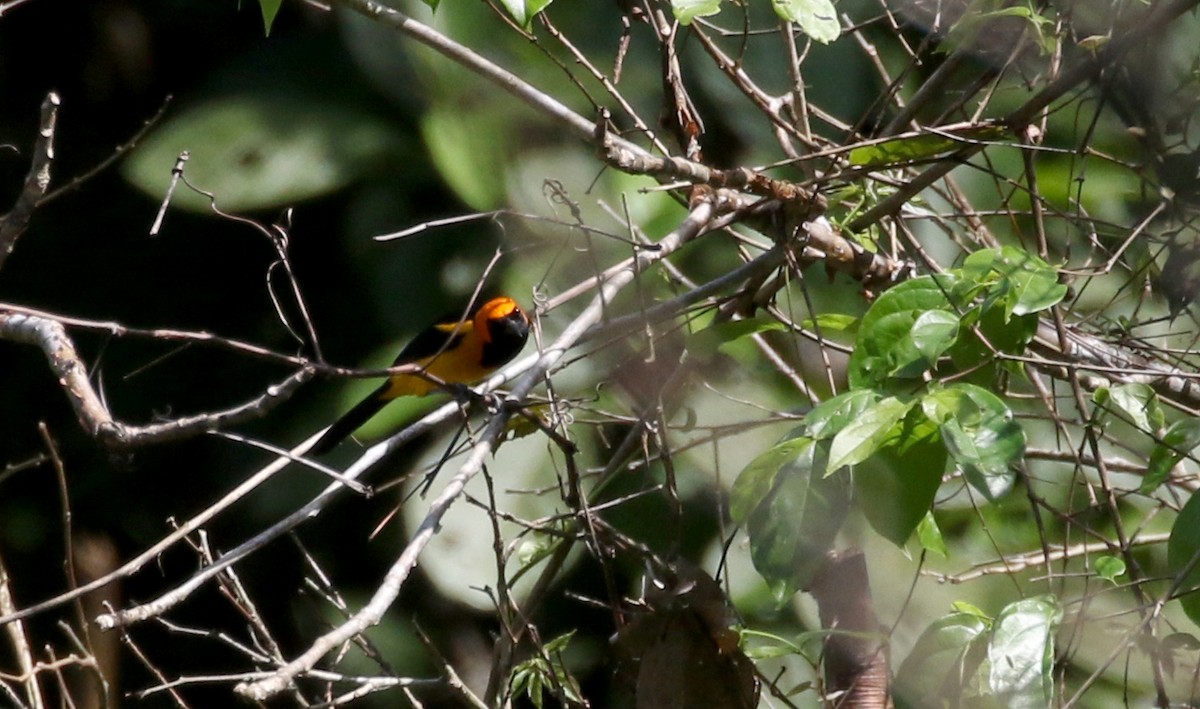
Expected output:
(457, 352)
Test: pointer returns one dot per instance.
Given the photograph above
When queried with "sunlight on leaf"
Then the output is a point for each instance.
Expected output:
(1021, 653)
(687, 10)
(270, 8)
(865, 434)
(816, 18)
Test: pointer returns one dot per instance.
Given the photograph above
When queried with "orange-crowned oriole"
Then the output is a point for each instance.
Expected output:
(454, 352)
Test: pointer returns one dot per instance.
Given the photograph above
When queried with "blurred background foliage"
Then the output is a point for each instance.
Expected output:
(342, 130)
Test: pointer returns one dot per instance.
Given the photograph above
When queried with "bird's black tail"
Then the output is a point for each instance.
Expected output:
(350, 421)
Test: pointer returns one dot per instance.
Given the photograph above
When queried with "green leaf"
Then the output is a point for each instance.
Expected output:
(980, 435)
(929, 534)
(887, 346)
(832, 322)
(792, 529)
(918, 147)
(1109, 567)
(896, 487)
(261, 151)
(270, 8)
(832, 415)
(712, 339)
(863, 436)
(946, 655)
(1137, 401)
(1021, 653)
(971, 609)
(901, 150)
(523, 11)
(757, 479)
(933, 333)
(1023, 282)
(816, 18)
(687, 10)
(1182, 547)
(1179, 440)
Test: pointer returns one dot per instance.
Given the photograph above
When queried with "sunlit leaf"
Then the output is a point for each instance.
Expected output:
(816, 18)
(943, 658)
(863, 436)
(929, 534)
(270, 8)
(1023, 282)
(1021, 653)
(980, 434)
(687, 10)
(523, 11)
(831, 416)
(1137, 401)
(831, 322)
(934, 332)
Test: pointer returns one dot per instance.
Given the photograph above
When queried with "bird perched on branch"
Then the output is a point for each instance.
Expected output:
(454, 352)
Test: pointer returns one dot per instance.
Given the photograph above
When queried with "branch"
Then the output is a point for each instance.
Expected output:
(94, 416)
(36, 182)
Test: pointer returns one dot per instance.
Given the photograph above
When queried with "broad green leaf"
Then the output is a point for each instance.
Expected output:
(816, 18)
(947, 654)
(979, 433)
(1022, 281)
(929, 534)
(710, 340)
(1021, 653)
(1035, 291)
(1109, 567)
(885, 348)
(270, 8)
(832, 415)
(896, 486)
(916, 294)
(974, 356)
(795, 526)
(832, 322)
(863, 436)
(1177, 442)
(1137, 401)
(1182, 549)
(260, 151)
(687, 10)
(934, 332)
(757, 479)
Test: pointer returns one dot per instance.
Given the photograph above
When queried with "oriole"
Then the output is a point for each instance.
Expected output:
(454, 352)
